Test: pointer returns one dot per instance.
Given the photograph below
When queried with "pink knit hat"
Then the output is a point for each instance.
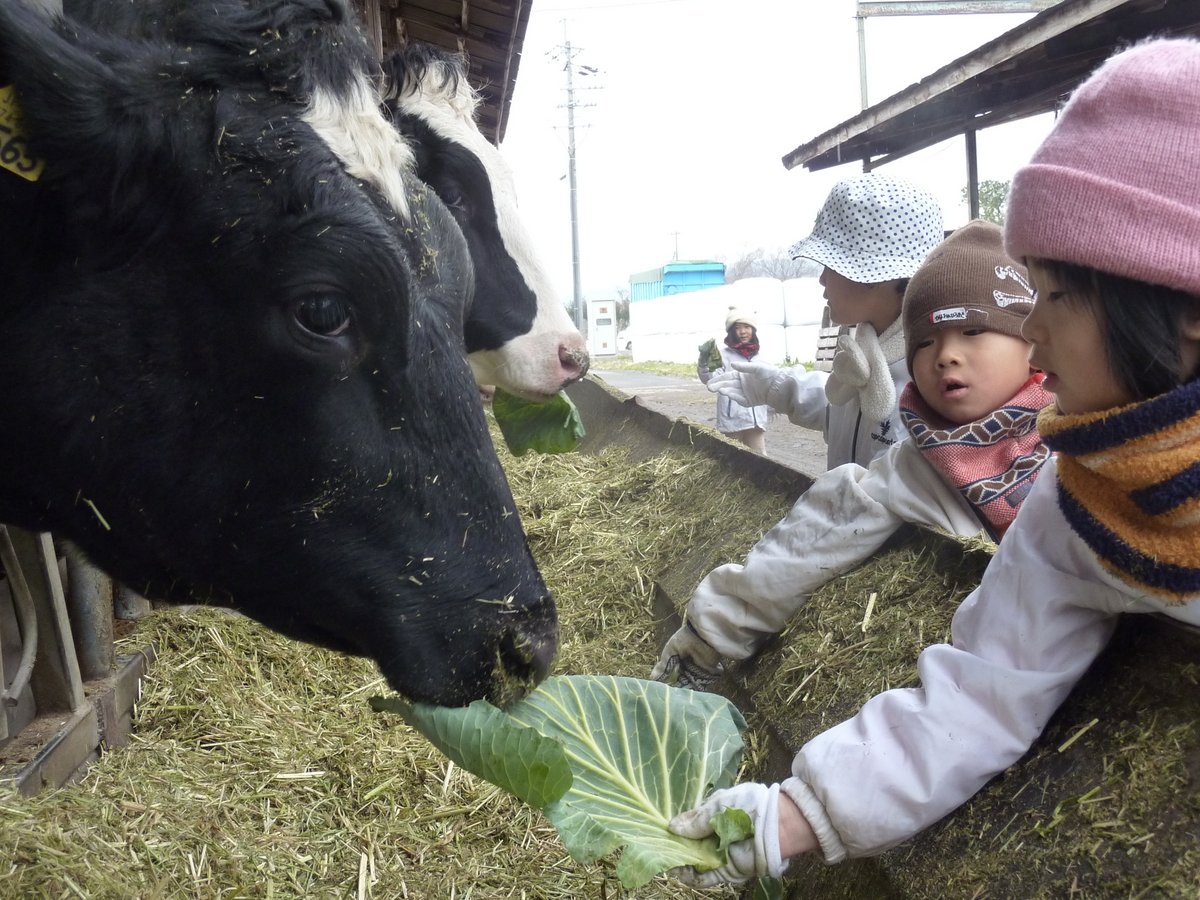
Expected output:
(1114, 186)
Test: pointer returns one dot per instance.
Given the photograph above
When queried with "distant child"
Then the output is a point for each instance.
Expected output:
(1107, 218)
(871, 235)
(973, 455)
(746, 423)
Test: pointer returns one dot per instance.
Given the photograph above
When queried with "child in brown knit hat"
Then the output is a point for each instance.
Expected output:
(972, 405)
(972, 455)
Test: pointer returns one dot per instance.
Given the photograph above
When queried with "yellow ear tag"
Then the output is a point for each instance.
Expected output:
(14, 149)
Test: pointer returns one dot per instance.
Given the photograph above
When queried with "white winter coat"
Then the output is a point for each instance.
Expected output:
(731, 416)
(1042, 613)
(844, 517)
(800, 395)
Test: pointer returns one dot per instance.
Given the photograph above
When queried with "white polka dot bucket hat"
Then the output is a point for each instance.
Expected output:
(874, 228)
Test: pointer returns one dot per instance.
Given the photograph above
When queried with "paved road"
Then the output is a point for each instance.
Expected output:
(687, 398)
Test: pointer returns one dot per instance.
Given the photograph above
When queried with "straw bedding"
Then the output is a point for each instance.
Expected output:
(258, 770)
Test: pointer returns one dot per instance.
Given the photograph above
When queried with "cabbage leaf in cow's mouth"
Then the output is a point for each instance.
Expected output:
(609, 760)
(553, 426)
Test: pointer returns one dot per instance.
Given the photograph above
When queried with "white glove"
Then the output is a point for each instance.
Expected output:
(758, 856)
(849, 371)
(689, 657)
(860, 369)
(748, 384)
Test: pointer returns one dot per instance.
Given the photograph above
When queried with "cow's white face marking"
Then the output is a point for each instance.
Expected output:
(528, 364)
(366, 143)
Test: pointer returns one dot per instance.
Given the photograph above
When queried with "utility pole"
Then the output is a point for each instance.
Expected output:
(567, 53)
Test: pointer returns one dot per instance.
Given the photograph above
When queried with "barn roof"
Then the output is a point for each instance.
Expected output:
(490, 32)
(1028, 70)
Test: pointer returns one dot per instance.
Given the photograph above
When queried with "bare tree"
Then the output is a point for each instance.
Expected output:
(622, 308)
(774, 263)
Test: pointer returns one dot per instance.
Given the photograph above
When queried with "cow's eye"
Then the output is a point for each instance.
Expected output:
(453, 197)
(325, 316)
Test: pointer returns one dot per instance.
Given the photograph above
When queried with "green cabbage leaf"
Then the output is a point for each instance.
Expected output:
(550, 427)
(609, 760)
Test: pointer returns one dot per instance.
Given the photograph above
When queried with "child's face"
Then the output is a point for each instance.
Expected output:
(743, 332)
(966, 373)
(851, 302)
(1068, 345)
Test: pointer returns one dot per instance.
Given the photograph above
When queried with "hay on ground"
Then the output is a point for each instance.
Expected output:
(258, 770)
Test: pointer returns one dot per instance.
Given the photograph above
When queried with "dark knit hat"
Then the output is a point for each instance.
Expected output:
(967, 281)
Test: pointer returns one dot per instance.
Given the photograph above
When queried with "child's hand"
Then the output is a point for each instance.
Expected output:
(748, 384)
(758, 856)
(690, 658)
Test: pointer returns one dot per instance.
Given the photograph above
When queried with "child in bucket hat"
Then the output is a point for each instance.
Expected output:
(973, 455)
(871, 235)
(1107, 219)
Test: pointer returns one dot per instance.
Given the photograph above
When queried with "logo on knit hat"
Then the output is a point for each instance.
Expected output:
(954, 314)
(967, 282)
(1003, 298)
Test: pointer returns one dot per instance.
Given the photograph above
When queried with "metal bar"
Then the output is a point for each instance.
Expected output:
(56, 683)
(951, 7)
(862, 61)
(972, 174)
(26, 620)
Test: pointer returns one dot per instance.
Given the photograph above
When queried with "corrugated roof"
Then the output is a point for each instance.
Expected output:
(1028, 70)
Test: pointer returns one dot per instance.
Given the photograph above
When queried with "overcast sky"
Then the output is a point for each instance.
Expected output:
(694, 106)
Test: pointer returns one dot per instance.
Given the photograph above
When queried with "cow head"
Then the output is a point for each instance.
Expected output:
(231, 347)
(517, 333)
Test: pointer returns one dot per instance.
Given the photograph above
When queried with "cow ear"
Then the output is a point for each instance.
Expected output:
(106, 118)
(73, 99)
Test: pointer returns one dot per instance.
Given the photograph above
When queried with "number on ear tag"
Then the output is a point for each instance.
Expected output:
(14, 147)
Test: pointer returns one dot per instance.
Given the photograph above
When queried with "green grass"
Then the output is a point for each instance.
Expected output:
(657, 367)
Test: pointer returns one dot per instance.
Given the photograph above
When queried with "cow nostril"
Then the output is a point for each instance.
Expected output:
(574, 361)
(524, 658)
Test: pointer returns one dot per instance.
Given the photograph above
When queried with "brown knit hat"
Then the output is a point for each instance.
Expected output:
(967, 281)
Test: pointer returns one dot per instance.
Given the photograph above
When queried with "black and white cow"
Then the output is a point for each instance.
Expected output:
(518, 334)
(231, 356)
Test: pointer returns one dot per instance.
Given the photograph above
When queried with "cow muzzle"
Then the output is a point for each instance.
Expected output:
(500, 652)
(523, 658)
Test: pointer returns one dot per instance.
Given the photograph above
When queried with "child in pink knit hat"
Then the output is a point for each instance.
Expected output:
(1107, 218)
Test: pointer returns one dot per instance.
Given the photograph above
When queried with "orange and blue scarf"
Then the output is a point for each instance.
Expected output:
(1129, 486)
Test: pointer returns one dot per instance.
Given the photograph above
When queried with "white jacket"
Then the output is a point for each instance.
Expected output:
(731, 416)
(1042, 613)
(800, 395)
(844, 517)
